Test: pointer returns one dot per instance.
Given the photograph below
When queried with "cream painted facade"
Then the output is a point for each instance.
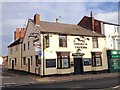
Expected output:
(50, 53)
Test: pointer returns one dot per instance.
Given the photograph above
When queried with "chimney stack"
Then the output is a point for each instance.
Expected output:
(56, 20)
(14, 35)
(92, 21)
(37, 19)
(19, 33)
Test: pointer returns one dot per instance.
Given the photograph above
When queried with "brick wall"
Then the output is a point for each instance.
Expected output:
(87, 23)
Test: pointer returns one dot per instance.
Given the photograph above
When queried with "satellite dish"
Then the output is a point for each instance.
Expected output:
(1, 60)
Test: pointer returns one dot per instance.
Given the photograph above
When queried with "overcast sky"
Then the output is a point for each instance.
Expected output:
(16, 14)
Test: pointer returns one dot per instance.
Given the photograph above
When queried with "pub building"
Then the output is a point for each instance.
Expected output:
(54, 48)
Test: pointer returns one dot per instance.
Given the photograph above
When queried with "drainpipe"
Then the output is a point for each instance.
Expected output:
(43, 56)
(21, 55)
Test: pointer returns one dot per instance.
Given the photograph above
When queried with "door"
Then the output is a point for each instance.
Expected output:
(12, 64)
(78, 66)
(28, 64)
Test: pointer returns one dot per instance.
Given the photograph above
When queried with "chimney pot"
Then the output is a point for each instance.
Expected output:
(92, 21)
(91, 14)
(37, 19)
(56, 20)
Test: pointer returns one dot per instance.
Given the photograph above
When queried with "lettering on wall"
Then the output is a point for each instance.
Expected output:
(81, 42)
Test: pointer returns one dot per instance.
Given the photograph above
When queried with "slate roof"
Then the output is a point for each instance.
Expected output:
(69, 29)
(104, 22)
(16, 42)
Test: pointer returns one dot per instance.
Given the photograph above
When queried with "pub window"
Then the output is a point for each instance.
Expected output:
(24, 60)
(24, 46)
(87, 61)
(28, 45)
(96, 59)
(95, 42)
(50, 63)
(15, 61)
(62, 41)
(63, 60)
(36, 59)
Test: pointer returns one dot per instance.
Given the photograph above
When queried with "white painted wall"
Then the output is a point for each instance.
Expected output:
(1, 60)
(109, 32)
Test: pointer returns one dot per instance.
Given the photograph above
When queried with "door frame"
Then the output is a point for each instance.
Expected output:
(13, 65)
(78, 69)
(28, 64)
(79, 56)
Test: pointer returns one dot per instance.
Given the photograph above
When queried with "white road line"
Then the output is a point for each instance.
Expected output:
(2, 86)
(9, 83)
(116, 87)
(4, 77)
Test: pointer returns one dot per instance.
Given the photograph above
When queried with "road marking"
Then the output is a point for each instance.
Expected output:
(4, 77)
(2, 86)
(116, 87)
(9, 83)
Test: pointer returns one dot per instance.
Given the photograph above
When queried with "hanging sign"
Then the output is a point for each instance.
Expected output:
(81, 42)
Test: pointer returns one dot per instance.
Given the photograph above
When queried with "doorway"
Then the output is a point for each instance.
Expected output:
(78, 66)
(12, 64)
(28, 64)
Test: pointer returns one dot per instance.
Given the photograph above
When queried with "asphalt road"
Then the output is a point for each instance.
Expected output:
(83, 84)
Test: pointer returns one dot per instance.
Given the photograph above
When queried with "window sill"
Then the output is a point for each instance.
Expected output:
(97, 66)
(62, 47)
(64, 68)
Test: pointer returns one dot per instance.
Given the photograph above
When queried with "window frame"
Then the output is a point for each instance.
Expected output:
(94, 59)
(28, 45)
(9, 62)
(95, 42)
(24, 60)
(16, 48)
(64, 40)
(60, 57)
(24, 46)
(36, 60)
(15, 61)
(11, 50)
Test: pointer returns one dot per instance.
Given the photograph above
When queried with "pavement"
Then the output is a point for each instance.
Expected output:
(10, 78)
(67, 78)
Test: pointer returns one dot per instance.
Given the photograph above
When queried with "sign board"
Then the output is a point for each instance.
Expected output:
(40, 53)
(81, 42)
(37, 46)
(87, 61)
(50, 63)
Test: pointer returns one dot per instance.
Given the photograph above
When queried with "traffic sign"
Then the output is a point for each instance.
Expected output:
(40, 53)
(37, 44)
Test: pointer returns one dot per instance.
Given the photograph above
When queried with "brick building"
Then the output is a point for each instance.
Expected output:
(110, 30)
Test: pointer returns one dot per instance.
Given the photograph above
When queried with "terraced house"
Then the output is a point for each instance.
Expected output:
(50, 48)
